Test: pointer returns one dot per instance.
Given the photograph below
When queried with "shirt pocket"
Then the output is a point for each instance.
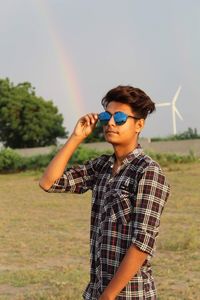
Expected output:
(121, 208)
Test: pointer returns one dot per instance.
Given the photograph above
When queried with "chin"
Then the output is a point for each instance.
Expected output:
(112, 141)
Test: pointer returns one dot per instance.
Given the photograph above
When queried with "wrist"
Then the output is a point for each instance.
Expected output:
(77, 138)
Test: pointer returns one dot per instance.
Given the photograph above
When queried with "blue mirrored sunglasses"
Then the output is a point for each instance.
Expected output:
(119, 117)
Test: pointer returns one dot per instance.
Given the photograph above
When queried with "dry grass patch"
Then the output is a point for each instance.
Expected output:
(44, 240)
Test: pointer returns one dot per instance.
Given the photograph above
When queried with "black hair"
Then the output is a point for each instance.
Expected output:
(140, 102)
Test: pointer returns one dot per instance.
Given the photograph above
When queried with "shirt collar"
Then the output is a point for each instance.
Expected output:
(130, 156)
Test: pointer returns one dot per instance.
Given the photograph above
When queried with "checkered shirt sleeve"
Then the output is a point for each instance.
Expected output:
(77, 179)
(152, 194)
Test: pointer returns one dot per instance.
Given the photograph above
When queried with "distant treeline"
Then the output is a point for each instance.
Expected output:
(189, 134)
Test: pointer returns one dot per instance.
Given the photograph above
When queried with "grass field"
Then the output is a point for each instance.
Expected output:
(44, 239)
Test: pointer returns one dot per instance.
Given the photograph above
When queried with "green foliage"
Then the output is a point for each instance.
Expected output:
(164, 159)
(36, 162)
(27, 120)
(81, 155)
(11, 161)
(189, 134)
(96, 135)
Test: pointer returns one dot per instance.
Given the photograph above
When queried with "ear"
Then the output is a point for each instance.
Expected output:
(139, 125)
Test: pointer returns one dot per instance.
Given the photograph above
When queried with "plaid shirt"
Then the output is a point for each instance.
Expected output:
(126, 209)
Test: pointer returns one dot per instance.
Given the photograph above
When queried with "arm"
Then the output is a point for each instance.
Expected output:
(129, 266)
(55, 169)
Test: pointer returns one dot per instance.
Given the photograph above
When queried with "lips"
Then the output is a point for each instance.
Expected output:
(110, 131)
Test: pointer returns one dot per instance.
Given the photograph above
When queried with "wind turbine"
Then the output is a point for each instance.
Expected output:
(174, 109)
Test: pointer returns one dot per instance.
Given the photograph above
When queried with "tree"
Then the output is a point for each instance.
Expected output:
(189, 134)
(27, 120)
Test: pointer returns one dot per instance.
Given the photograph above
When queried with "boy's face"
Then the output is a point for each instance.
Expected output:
(122, 134)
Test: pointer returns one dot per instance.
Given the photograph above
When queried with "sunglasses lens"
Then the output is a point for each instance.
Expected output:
(120, 118)
(104, 118)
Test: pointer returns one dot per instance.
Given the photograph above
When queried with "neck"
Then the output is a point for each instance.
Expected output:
(121, 151)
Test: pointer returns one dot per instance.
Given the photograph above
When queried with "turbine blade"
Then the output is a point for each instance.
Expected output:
(163, 104)
(178, 113)
(176, 95)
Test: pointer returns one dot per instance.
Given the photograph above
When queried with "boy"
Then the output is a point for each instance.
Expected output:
(129, 192)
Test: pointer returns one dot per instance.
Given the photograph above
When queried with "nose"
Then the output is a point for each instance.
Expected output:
(111, 121)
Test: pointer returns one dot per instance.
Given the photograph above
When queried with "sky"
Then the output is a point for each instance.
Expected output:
(73, 52)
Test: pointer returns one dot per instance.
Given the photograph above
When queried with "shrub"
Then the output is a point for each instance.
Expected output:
(164, 159)
(81, 155)
(10, 161)
(39, 161)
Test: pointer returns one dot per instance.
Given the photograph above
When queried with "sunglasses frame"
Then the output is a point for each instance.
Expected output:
(104, 123)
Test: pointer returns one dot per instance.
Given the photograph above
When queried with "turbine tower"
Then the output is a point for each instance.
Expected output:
(174, 109)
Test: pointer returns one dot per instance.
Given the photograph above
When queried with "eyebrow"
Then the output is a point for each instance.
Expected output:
(136, 118)
(115, 112)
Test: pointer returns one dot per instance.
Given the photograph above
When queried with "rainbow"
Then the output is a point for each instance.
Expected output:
(64, 61)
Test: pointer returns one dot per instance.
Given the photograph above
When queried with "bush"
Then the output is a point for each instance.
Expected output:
(36, 162)
(10, 160)
(81, 155)
(164, 159)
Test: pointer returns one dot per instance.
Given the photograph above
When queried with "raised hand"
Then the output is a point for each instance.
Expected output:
(85, 125)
